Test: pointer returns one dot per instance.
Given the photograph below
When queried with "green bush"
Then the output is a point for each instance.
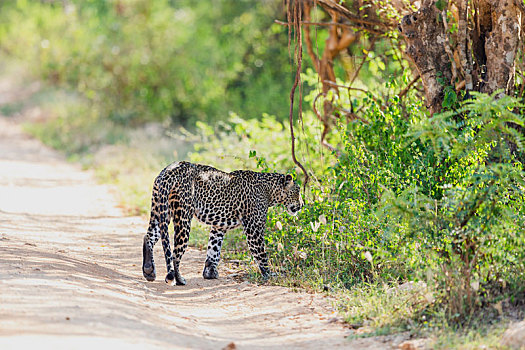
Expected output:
(473, 225)
(338, 237)
(441, 199)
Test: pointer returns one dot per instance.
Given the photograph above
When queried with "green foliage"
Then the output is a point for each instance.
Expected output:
(385, 309)
(404, 197)
(76, 130)
(475, 226)
(142, 60)
(441, 4)
(338, 237)
(264, 142)
(450, 100)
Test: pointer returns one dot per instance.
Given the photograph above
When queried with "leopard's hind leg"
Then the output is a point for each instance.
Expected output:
(159, 221)
(182, 210)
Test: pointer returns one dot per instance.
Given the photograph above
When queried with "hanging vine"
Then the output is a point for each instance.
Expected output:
(294, 18)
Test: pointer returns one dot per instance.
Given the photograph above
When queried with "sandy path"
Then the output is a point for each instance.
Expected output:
(70, 274)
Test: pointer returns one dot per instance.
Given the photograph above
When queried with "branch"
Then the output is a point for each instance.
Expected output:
(309, 47)
(405, 90)
(353, 115)
(333, 6)
(356, 73)
(326, 24)
(326, 125)
(314, 105)
(331, 83)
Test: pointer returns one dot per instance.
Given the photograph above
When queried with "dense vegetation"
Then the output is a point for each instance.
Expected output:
(399, 197)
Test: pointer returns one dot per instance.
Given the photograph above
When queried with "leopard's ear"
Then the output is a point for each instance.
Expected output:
(288, 180)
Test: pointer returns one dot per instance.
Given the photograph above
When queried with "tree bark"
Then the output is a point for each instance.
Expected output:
(501, 44)
(426, 38)
(486, 44)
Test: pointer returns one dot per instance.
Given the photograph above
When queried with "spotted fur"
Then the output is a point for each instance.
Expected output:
(222, 200)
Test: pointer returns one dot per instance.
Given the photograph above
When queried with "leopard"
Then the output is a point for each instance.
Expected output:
(224, 201)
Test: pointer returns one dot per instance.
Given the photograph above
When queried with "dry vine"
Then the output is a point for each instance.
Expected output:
(294, 17)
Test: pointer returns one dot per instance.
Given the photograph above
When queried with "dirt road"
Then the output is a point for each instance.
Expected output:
(70, 274)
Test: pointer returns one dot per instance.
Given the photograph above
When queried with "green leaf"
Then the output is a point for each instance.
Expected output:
(450, 99)
(381, 65)
(441, 4)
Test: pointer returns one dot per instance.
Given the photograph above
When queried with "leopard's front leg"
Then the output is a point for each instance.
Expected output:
(254, 231)
(213, 254)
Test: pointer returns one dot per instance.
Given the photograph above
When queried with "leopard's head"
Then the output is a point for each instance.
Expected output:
(291, 195)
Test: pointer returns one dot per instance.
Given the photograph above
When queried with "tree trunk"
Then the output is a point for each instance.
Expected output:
(425, 36)
(501, 44)
(486, 44)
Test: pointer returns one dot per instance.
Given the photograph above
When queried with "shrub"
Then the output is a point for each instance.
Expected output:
(405, 197)
(473, 224)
